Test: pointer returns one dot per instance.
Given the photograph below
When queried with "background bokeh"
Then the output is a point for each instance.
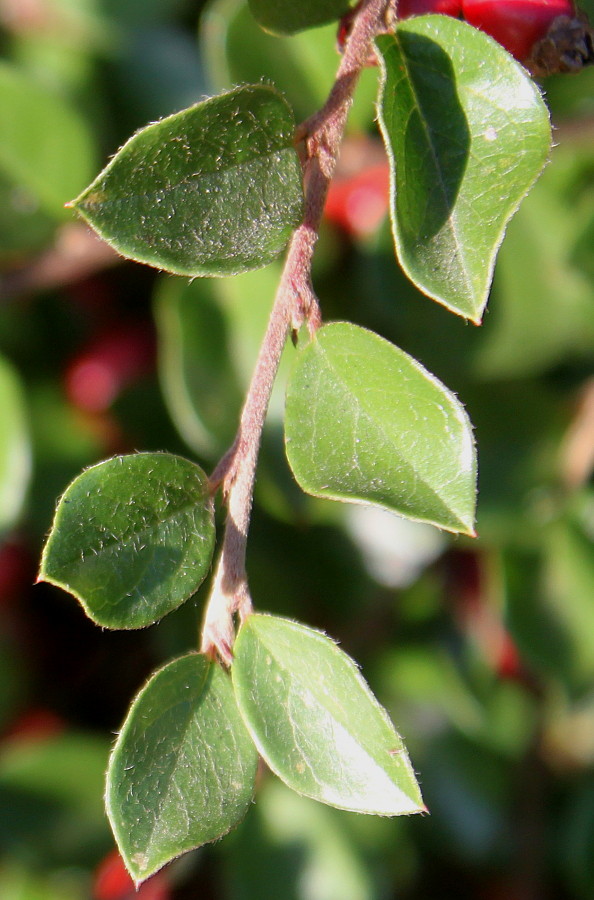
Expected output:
(483, 651)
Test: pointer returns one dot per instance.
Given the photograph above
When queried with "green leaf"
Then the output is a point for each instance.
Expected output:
(367, 423)
(46, 147)
(315, 721)
(51, 807)
(24, 227)
(467, 133)
(568, 580)
(210, 331)
(15, 451)
(246, 302)
(213, 190)
(536, 270)
(196, 364)
(183, 769)
(132, 538)
(157, 72)
(287, 16)
(18, 882)
(290, 841)
(65, 770)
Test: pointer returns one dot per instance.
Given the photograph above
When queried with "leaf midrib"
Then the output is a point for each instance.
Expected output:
(451, 218)
(296, 677)
(111, 542)
(176, 754)
(388, 438)
(189, 182)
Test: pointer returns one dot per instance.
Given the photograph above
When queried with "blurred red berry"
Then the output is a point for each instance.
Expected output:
(509, 664)
(112, 882)
(36, 724)
(17, 571)
(358, 204)
(478, 617)
(107, 365)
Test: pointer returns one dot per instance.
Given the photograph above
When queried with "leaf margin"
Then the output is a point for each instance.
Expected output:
(138, 697)
(476, 314)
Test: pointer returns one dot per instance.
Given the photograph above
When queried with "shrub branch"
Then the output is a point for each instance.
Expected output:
(295, 303)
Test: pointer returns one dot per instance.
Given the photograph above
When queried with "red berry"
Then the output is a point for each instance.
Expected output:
(16, 572)
(407, 8)
(108, 364)
(516, 24)
(36, 724)
(112, 882)
(359, 203)
(508, 663)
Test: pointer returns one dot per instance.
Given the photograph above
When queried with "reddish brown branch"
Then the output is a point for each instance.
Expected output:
(294, 304)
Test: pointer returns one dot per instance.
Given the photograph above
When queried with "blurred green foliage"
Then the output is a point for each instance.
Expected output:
(482, 650)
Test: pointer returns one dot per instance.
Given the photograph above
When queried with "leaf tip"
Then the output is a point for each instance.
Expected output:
(472, 313)
(137, 866)
(468, 529)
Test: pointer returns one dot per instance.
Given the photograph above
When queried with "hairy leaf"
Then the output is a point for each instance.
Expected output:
(287, 16)
(467, 133)
(213, 190)
(315, 721)
(365, 422)
(182, 771)
(132, 538)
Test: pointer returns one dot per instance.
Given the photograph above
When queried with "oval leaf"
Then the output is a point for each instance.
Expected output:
(196, 369)
(287, 17)
(132, 538)
(467, 134)
(46, 147)
(183, 769)
(15, 449)
(315, 721)
(213, 190)
(367, 423)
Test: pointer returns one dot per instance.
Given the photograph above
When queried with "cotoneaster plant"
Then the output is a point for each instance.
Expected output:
(218, 189)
